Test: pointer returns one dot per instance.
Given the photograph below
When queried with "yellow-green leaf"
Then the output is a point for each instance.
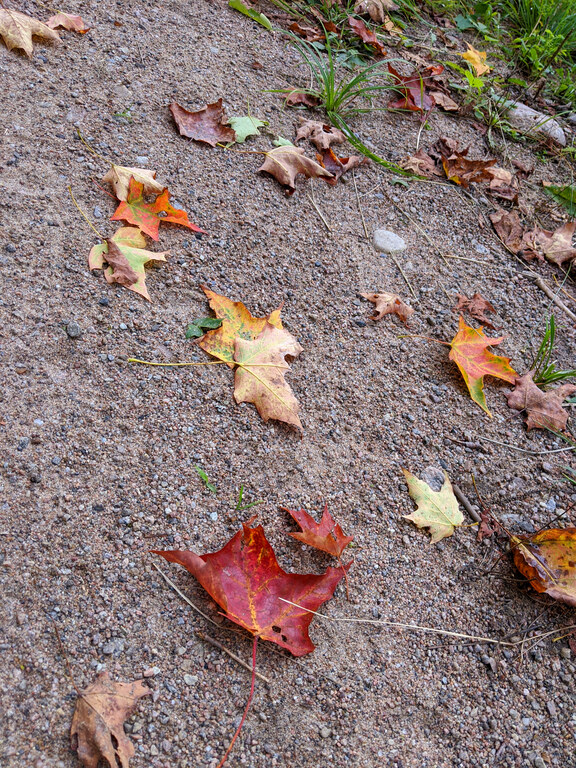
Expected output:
(437, 510)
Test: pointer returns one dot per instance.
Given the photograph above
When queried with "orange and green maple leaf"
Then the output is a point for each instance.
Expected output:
(469, 350)
(146, 215)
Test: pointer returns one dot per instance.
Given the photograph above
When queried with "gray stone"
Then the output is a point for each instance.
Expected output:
(141, 160)
(528, 120)
(73, 330)
(97, 212)
(572, 118)
(190, 679)
(388, 242)
(108, 648)
(566, 653)
(325, 732)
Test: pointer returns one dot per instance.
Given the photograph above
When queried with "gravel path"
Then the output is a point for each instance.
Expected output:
(99, 455)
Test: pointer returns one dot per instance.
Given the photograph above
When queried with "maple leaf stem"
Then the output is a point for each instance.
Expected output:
(173, 365)
(428, 338)
(104, 190)
(345, 578)
(248, 703)
(82, 139)
(100, 235)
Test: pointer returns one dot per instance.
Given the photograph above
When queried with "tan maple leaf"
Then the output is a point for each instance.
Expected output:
(320, 134)
(97, 731)
(285, 163)
(543, 409)
(477, 306)
(557, 246)
(436, 510)
(17, 30)
(389, 303)
(259, 377)
(68, 21)
(376, 9)
(119, 177)
(207, 125)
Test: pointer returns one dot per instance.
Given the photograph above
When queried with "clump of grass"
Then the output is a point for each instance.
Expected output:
(545, 371)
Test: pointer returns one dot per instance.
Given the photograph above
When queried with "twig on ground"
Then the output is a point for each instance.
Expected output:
(550, 293)
(359, 205)
(463, 499)
(221, 647)
(408, 283)
(318, 211)
(524, 450)
(183, 596)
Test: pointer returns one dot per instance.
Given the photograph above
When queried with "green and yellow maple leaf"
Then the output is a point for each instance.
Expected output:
(469, 350)
(125, 257)
(437, 510)
(136, 210)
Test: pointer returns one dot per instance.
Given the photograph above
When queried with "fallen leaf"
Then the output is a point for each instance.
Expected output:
(463, 171)
(125, 257)
(376, 9)
(68, 21)
(237, 322)
(326, 535)
(445, 102)
(422, 164)
(548, 560)
(476, 306)
(207, 125)
(485, 529)
(285, 163)
(298, 98)
(477, 59)
(557, 246)
(366, 35)
(415, 97)
(17, 30)
(469, 350)
(389, 303)
(338, 166)
(503, 184)
(246, 581)
(437, 510)
(508, 228)
(320, 134)
(543, 409)
(259, 377)
(119, 177)
(136, 210)
(311, 34)
(97, 731)
(246, 126)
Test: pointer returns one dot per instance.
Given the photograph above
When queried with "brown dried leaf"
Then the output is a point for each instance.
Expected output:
(311, 34)
(508, 228)
(557, 246)
(285, 163)
(17, 30)
(389, 303)
(503, 184)
(338, 166)
(320, 134)
(296, 98)
(544, 409)
(476, 306)
(97, 731)
(422, 164)
(463, 171)
(366, 35)
(444, 101)
(207, 125)
(376, 9)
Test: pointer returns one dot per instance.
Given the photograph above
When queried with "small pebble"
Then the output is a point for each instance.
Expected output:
(73, 330)
(325, 732)
(151, 671)
(10, 248)
(97, 212)
(108, 648)
(388, 242)
(214, 516)
(104, 302)
(190, 679)
(565, 653)
(141, 160)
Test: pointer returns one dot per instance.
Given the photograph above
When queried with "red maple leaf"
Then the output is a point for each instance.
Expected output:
(244, 578)
(136, 210)
(325, 535)
(415, 96)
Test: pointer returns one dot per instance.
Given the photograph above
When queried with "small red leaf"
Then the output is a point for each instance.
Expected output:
(325, 535)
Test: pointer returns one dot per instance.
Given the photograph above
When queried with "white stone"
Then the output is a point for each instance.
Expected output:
(388, 242)
(528, 120)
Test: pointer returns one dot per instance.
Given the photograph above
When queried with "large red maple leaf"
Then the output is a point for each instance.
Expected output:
(244, 578)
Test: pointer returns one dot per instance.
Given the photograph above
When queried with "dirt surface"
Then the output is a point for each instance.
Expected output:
(98, 454)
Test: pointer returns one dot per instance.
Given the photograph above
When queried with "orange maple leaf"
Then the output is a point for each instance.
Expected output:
(326, 535)
(469, 352)
(136, 210)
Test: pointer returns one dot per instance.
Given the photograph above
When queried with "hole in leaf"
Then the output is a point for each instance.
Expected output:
(284, 638)
(276, 629)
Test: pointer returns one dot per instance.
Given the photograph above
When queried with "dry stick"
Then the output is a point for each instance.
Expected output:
(404, 276)
(400, 626)
(524, 450)
(216, 644)
(550, 293)
(463, 499)
(318, 211)
(359, 206)
(221, 763)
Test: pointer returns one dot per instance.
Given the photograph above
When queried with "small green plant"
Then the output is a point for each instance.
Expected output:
(241, 507)
(198, 328)
(205, 479)
(124, 115)
(545, 371)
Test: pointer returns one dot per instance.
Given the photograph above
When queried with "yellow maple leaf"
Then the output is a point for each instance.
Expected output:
(477, 59)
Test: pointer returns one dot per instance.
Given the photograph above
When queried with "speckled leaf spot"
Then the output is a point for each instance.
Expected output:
(548, 560)
(124, 256)
(247, 582)
(437, 510)
(146, 215)
(469, 352)
(237, 322)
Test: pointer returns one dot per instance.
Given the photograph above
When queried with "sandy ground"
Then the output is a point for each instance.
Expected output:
(98, 455)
